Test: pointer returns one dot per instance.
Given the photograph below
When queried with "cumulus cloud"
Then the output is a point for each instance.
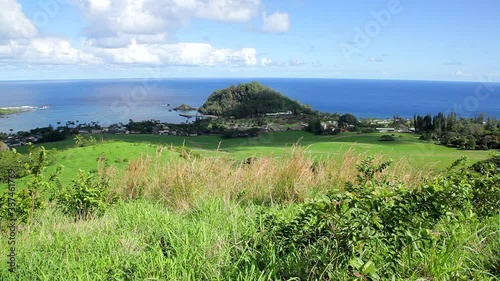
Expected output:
(122, 21)
(131, 32)
(13, 23)
(53, 51)
(276, 23)
(227, 10)
(190, 54)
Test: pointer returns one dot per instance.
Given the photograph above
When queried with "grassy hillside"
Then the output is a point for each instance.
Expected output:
(169, 213)
(419, 154)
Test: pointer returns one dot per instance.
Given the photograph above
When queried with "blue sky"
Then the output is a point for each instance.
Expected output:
(453, 40)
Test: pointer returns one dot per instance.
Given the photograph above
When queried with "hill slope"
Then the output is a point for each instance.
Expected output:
(250, 100)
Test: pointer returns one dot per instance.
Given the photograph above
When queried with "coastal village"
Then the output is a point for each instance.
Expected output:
(275, 122)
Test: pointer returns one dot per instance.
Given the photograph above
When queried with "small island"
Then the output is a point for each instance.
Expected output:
(4, 112)
(185, 108)
(251, 100)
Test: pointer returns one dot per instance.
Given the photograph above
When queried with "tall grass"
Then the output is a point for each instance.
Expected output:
(144, 240)
(194, 218)
(268, 180)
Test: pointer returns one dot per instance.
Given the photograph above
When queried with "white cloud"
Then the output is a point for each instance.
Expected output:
(99, 5)
(266, 61)
(138, 31)
(128, 32)
(276, 23)
(127, 19)
(13, 23)
(19, 44)
(227, 10)
(192, 54)
(48, 51)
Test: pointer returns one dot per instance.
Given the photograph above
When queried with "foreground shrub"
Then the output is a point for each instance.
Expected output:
(367, 228)
(10, 160)
(38, 187)
(87, 197)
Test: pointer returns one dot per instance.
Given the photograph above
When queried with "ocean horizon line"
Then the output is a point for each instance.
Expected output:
(62, 80)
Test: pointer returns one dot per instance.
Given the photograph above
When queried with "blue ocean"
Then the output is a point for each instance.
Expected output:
(112, 101)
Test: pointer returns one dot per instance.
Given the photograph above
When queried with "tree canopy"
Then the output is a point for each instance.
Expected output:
(250, 100)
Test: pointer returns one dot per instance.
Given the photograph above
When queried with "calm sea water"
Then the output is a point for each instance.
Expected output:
(111, 101)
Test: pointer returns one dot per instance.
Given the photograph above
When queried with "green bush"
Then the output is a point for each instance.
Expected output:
(81, 141)
(87, 196)
(367, 228)
(39, 187)
(10, 160)
(387, 138)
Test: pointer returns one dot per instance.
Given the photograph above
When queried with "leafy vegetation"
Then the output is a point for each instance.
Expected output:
(372, 227)
(10, 160)
(283, 218)
(82, 141)
(250, 100)
(387, 138)
(195, 209)
(87, 197)
(463, 133)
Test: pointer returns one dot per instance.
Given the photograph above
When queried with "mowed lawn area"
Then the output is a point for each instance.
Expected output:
(118, 150)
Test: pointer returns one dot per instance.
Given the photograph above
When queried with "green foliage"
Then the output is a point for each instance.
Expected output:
(11, 160)
(87, 197)
(82, 141)
(38, 186)
(143, 127)
(367, 229)
(314, 126)
(185, 107)
(387, 138)
(463, 133)
(53, 136)
(368, 170)
(348, 119)
(250, 100)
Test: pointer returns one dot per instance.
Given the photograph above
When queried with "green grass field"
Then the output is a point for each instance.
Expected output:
(419, 154)
(194, 218)
(119, 149)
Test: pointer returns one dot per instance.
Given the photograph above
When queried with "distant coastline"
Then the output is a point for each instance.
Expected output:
(8, 111)
(112, 101)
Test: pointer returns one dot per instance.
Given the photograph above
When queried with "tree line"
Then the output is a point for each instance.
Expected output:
(479, 132)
